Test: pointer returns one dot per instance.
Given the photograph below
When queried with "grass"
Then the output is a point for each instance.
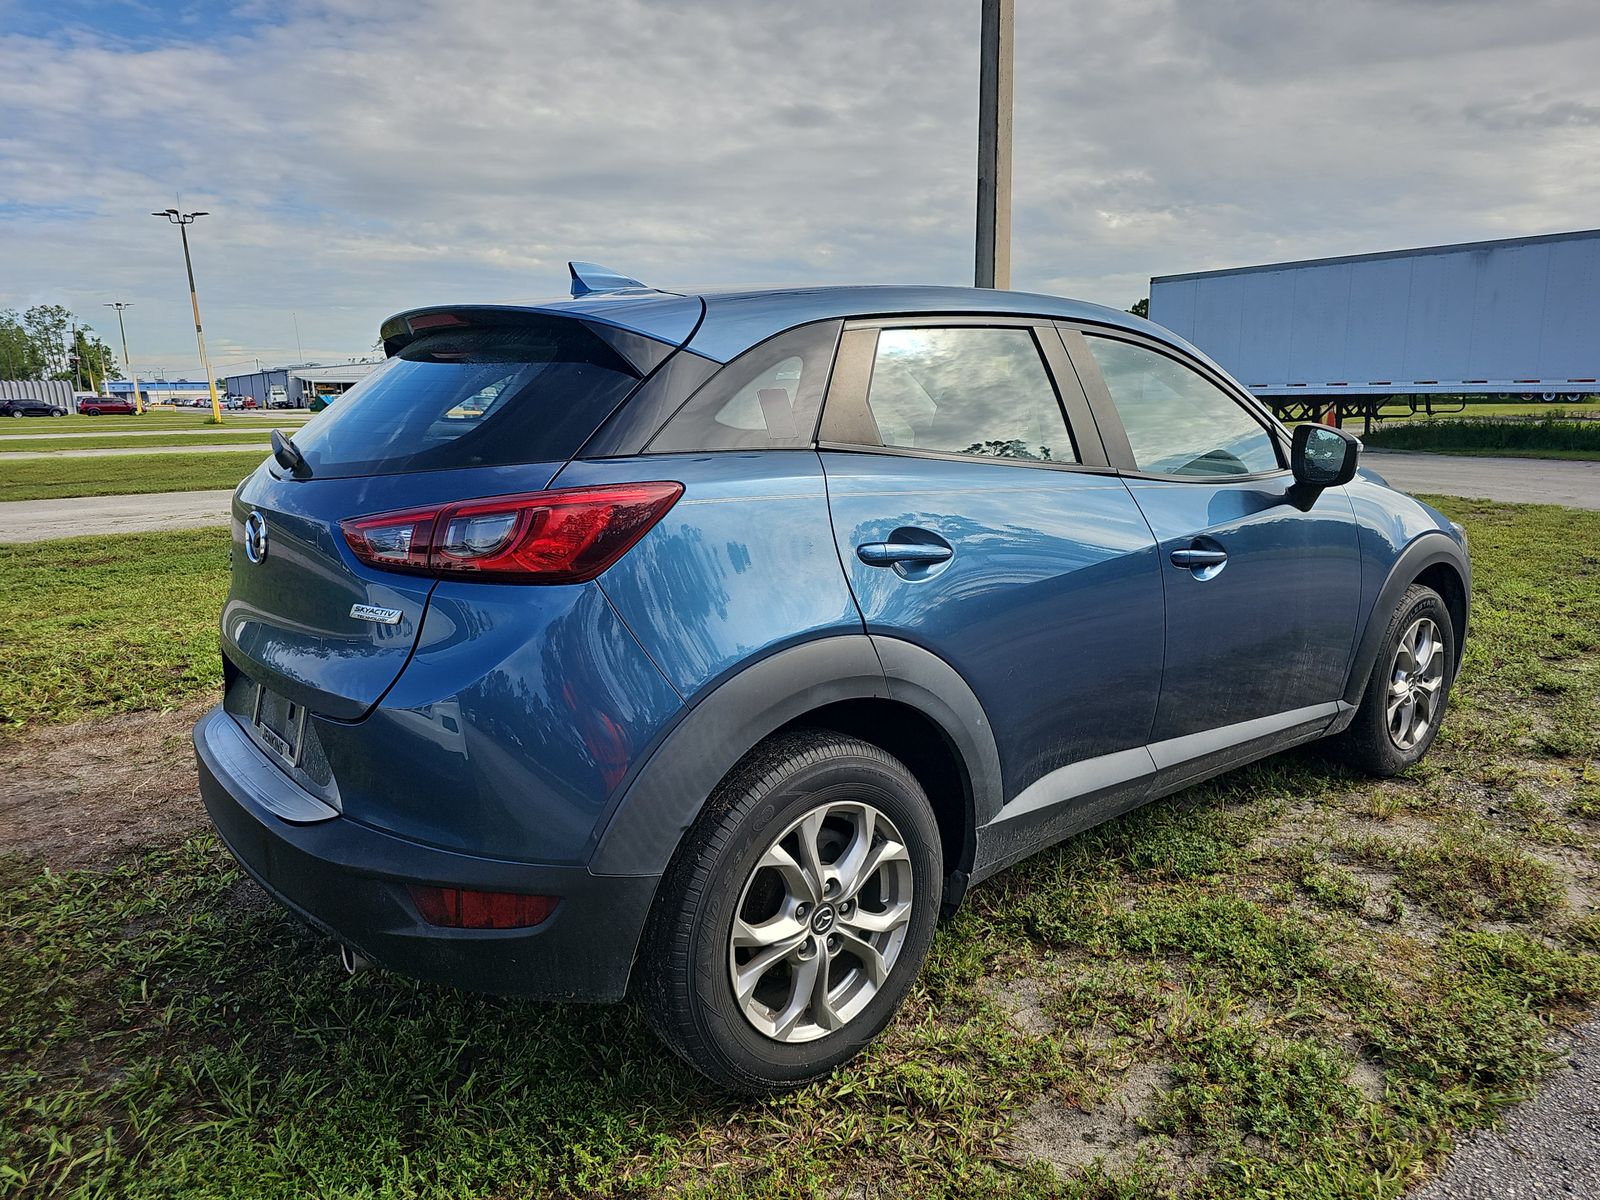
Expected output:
(91, 626)
(1546, 437)
(1321, 980)
(116, 441)
(192, 418)
(1491, 408)
(113, 475)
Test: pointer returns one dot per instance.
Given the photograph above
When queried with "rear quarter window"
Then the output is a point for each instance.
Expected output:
(472, 398)
(766, 399)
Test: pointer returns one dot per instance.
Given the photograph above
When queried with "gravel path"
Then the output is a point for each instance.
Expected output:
(1549, 1146)
(1519, 480)
(39, 520)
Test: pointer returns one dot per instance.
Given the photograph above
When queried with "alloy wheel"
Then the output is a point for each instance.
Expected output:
(1416, 681)
(821, 922)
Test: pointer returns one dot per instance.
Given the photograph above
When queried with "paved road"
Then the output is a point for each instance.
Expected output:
(1520, 480)
(37, 520)
(10, 455)
(1549, 1146)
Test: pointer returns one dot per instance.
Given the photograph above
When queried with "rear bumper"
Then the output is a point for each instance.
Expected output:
(349, 881)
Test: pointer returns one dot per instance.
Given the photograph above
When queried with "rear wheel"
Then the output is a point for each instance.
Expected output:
(797, 914)
(1404, 703)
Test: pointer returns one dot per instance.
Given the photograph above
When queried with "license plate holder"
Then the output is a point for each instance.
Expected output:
(279, 724)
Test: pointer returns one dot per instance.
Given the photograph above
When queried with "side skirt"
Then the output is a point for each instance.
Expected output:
(1085, 794)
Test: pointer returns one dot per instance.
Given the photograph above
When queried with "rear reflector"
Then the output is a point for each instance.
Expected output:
(462, 908)
(567, 536)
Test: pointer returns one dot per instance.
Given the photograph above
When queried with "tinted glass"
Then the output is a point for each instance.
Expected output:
(1178, 421)
(967, 391)
(765, 399)
(480, 398)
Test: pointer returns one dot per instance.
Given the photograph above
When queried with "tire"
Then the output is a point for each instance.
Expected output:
(91, 412)
(722, 871)
(1371, 743)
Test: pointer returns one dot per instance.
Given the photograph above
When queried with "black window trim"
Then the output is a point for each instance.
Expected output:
(1074, 337)
(848, 426)
(810, 440)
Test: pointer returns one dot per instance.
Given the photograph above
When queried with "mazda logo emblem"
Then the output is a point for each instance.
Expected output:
(255, 537)
(823, 920)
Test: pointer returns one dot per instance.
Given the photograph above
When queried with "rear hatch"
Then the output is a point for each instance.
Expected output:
(471, 403)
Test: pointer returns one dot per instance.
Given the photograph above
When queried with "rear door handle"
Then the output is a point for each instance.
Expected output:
(1190, 559)
(887, 554)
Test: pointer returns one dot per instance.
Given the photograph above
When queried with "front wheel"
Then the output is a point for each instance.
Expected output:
(796, 915)
(1404, 703)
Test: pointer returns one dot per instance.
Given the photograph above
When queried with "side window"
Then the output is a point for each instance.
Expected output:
(967, 390)
(765, 399)
(1178, 421)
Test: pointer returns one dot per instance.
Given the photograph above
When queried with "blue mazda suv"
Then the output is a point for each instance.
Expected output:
(710, 645)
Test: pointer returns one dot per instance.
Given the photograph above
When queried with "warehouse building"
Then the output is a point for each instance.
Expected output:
(161, 391)
(299, 384)
(51, 391)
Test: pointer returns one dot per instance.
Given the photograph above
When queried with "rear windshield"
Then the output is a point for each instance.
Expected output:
(478, 398)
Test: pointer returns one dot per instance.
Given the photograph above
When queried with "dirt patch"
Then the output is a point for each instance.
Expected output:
(90, 793)
(1071, 1139)
(1022, 997)
(1575, 869)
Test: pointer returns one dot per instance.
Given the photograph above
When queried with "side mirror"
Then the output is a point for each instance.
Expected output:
(1323, 456)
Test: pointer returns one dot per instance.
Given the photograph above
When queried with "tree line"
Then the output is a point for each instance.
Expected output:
(49, 342)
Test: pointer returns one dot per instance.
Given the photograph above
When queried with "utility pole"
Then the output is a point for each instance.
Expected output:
(138, 404)
(77, 359)
(994, 146)
(183, 221)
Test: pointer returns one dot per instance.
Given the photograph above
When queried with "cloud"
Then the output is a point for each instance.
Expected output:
(360, 158)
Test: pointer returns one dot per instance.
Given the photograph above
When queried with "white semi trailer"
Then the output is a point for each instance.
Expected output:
(1518, 317)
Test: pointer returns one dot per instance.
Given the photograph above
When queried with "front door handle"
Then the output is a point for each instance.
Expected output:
(1191, 559)
(887, 554)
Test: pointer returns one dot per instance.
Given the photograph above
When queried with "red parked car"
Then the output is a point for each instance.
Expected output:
(96, 406)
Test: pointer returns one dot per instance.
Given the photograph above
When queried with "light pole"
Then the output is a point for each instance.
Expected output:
(138, 404)
(183, 220)
(994, 146)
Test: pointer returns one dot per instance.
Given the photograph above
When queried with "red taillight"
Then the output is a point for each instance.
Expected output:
(435, 321)
(567, 536)
(463, 908)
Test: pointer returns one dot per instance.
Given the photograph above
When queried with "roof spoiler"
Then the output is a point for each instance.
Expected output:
(591, 277)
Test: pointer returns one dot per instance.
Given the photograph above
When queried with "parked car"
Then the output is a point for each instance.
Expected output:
(27, 406)
(278, 398)
(713, 645)
(104, 406)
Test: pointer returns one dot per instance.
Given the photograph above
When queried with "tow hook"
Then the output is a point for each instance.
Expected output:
(353, 961)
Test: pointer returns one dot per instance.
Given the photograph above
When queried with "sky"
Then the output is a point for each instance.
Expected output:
(359, 158)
